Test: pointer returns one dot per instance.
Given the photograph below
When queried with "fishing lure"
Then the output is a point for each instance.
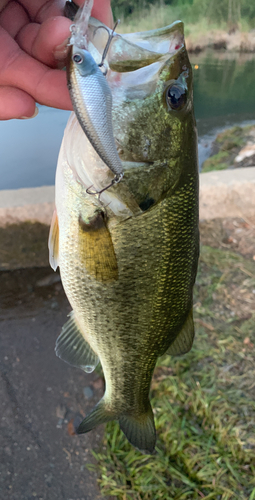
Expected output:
(91, 96)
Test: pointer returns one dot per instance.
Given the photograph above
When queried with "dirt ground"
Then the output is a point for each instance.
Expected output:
(41, 396)
(235, 234)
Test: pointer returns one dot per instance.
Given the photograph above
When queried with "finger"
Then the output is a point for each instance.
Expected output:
(102, 11)
(39, 10)
(41, 41)
(15, 103)
(3, 4)
(46, 42)
(13, 18)
(17, 69)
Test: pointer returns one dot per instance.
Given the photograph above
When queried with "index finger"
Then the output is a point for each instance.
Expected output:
(17, 69)
(39, 10)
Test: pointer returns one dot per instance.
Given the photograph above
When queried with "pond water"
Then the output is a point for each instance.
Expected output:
(224, 95)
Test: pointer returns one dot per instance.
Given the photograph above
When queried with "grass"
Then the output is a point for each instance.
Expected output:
(156, 16)
(228, 144)
(216, 162)
(233, 137)
(204, 402)
(197, 21)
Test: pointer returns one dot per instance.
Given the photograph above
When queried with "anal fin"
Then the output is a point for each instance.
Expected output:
(72, 347)
(184, 340)
(53, 242)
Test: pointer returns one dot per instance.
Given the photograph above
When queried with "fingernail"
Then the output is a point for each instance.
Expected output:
(61, 50)
(33, 116)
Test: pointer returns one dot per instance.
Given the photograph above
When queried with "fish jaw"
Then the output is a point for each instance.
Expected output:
(132, 51)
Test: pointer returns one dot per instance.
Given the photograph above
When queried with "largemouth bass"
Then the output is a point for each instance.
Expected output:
(128, 258)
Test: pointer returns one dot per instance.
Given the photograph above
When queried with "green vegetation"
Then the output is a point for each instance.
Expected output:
(204, 402)
(228, 144)
(216, 162)
(229, 13)
(233, 137)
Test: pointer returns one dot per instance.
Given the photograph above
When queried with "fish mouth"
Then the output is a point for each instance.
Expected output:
(129, 52)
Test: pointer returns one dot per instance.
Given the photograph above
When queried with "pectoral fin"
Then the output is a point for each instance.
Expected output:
(72, 347)
(184, 339)
(96, 248)
(53, 242)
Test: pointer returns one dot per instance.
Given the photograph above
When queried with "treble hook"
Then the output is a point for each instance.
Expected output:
(114, 181)
(110, 37)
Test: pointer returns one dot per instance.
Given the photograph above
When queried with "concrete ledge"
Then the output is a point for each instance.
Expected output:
(223, 193)
(227, 193)
(25, 214)
(30, 204)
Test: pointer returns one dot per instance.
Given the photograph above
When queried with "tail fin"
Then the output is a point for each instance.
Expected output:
(99, 415)
(140, 430)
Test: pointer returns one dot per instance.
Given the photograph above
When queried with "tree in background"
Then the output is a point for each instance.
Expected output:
(126, 7)
(220, 11)
(227, 11)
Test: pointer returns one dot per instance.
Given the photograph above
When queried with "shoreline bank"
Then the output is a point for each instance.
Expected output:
(220, 40)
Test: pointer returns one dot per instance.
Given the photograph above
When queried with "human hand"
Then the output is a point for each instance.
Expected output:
(32, 35)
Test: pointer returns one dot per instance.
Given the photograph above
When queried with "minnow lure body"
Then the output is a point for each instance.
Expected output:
(92, 101)
(91, 95)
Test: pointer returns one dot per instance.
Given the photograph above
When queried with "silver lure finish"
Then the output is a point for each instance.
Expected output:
(92, 101)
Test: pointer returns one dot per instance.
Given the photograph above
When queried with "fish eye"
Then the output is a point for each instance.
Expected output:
(77, 58)
(176, 96)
